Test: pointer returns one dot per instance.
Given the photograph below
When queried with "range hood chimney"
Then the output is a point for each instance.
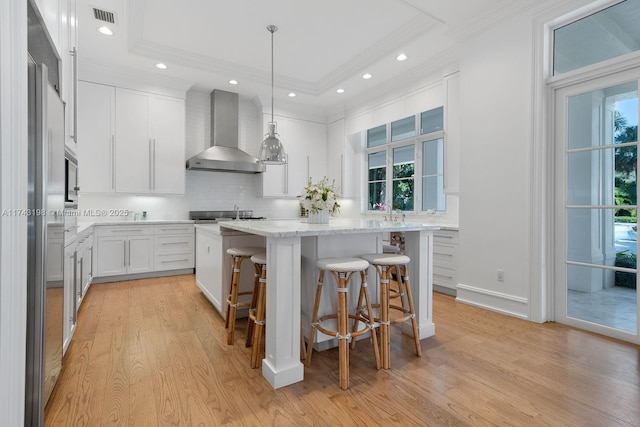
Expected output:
(223, 154)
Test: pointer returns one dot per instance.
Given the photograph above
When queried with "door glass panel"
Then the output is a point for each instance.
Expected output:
(601, 207)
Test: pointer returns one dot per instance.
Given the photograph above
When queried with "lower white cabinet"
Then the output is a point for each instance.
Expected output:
(213, 265)
(143, 248)
(445, 261)
(124, 249)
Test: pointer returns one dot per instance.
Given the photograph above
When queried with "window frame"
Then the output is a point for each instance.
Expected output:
(415, 141)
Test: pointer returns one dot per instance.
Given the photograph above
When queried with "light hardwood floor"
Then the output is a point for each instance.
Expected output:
(153, 352)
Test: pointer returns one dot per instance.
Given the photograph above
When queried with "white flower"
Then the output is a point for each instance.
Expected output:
(320, 196)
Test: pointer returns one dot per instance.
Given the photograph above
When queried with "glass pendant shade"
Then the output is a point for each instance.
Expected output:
(271, 150)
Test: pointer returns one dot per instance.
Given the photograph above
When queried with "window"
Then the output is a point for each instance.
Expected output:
(607, 34)
(407, 156)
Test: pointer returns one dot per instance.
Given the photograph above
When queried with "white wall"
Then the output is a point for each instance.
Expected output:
(496, 106)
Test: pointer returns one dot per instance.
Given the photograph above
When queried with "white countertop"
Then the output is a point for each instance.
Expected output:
(83, 225)
(292, 228)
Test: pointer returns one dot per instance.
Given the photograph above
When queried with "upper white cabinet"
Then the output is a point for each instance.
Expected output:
(133, 144)
(342, 166)
(130, 141)
(305, 145)
(52, 15)
(96, 133)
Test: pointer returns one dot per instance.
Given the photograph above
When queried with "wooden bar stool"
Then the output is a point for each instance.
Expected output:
(255, 327)
(238, 255)
(342, 269)
(385, 264)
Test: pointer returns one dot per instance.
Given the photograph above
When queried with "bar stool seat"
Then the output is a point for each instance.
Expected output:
(238, 255)
(342, 269)
(257, 312)
(385, 264)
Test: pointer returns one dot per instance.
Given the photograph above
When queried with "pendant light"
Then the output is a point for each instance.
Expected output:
(271, 150)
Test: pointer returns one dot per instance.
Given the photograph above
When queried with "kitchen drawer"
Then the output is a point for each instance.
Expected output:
(164, 229)
(445, 277)
(174, 261)
(183, 244)
(445, 255)
(124, 230)
(445, 236)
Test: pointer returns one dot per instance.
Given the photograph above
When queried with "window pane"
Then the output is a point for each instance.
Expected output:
(403, 194)
(377, 193)
(433, 197)
(431, 121)
(377, 180)
(377, 136)
(403, 182)
(402, 129)
(403, 162)
(607, 34)
(433, 157)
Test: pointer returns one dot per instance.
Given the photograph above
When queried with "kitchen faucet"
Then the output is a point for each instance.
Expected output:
(236, 209)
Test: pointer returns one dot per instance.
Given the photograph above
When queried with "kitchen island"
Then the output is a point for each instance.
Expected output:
(292, 248)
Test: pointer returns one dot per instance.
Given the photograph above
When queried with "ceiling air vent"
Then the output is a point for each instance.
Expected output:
(104, 15)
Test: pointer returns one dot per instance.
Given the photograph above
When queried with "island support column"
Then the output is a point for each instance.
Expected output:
(419, 247)
(281, 365)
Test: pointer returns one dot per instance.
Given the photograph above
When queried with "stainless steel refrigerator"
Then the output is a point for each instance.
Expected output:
(45, 230)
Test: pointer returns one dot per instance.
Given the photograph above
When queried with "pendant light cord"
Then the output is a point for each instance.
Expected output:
(272, 29)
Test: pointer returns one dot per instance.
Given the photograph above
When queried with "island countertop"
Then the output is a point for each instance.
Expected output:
(301, 228)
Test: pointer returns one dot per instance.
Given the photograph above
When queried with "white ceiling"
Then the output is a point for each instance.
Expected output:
(320, 45)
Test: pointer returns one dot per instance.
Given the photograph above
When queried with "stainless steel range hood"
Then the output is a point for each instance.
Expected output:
(223, 154)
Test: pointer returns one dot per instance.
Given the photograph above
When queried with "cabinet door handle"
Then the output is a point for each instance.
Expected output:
(154, 164)
(342, 173)
(113, 162)
(150, 164)
(124, 252)
(74, 70)
(129, 262)
(74, 315)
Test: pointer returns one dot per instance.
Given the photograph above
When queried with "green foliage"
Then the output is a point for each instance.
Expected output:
(626, 161)
(622, 278)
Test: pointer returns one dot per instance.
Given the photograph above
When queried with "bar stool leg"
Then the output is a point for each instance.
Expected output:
(343, 328)
(254, 304)
(405, 286)
(385, 333)
(232, 300)
(314, 318)
(259, 319)
(374, 339)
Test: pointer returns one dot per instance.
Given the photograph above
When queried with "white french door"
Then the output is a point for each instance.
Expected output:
(596, 202)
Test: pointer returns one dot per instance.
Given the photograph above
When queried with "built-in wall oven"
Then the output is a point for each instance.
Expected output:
(71, 181)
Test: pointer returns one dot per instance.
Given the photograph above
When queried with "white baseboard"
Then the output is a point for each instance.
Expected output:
(495, 301)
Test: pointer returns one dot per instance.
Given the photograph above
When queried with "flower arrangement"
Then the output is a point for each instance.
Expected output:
(320, 196)
(379, 207)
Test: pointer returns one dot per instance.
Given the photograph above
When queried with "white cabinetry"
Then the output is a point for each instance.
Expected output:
(445, 261)
(84, 263)
(143, 248)
(342, 166)
(52, 13)
(174, 247)
(150, 134)
(130, 141)
(124, 250)
(305, 145)
(70, 302)
(96, 136)
(213, 265)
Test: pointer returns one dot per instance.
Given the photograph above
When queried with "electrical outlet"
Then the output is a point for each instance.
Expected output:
(500, 275)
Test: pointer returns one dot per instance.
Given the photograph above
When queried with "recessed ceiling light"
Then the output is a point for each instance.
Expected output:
(233, 82)
(106, 31)
(161, 66)
(366, 76)
(340, 90)
(292, 95)
(402, 57)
